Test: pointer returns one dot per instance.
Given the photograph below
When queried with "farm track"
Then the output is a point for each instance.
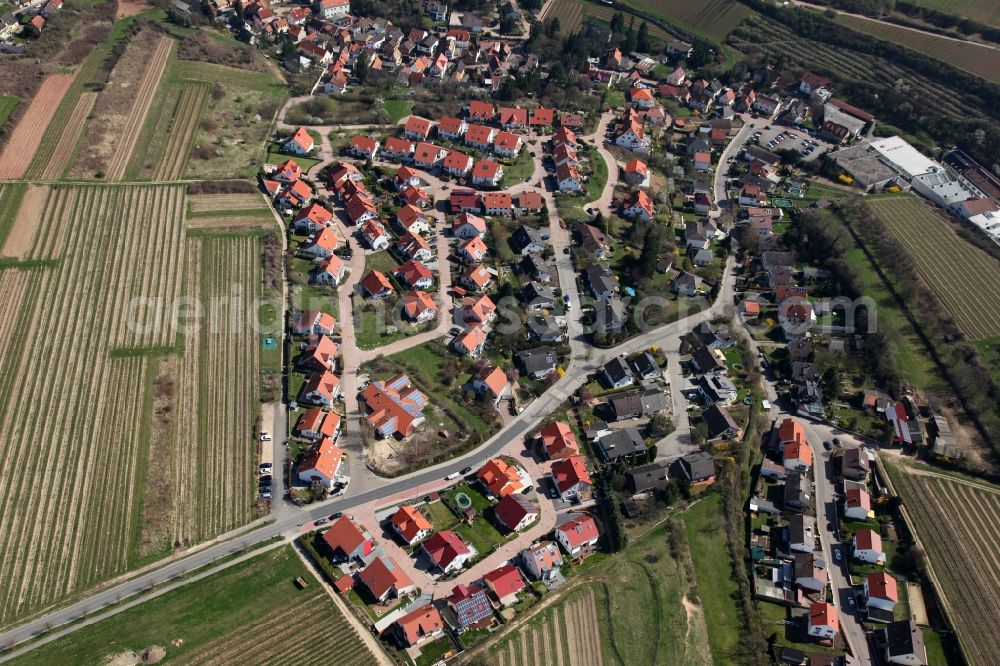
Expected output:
(27, 136)
(141, 102)
(68, 138)
(212, 73)
(13, 284)
(962, 552)
(182, 132)
(965, 279)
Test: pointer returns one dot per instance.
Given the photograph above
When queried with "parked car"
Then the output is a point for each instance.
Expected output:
(452, 476)
(466, 470)
(265, 479)
(265, 494)
(320, 521)
(265, 437)
(837, 555)
(336, 514)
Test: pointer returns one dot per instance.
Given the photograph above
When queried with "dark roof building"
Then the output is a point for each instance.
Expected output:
(648, 477)
(621, 443)
(698, 467)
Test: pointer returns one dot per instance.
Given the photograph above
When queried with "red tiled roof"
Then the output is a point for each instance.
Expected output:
(570, 471)
(512, 509)
(500, 478)
(409, 521)
(559, 440)
(444, 546)
(495, 379)
(579, 530)
(883, 586)
(505, 581)
(345, 536)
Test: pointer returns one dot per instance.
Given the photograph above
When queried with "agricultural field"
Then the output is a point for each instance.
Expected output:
(162, 150)
(639, 603)
(250, 613)
(26, 137)
(573, 13)
(759, 34)
(713, 19)
(987, 13)
(7, 105)
(965, 278)
(84, 324)
(956, 520)
(974, 58)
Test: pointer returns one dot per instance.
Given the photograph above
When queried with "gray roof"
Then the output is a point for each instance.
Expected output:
(648, 477)
(600, 279)
(537, 359)
(616, 369)
(612, 313)
(719, 421)
(643, 403)
(619, 443)
(644, 364)
(698, 466)
(797, 489)
(802, 529)
(524, 236)
(903, 638)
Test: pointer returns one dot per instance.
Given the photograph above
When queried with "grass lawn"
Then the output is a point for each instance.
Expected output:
(380, 261)
(707, 539)
(370, 330)
(519, 169)
(441, 516)
(275, 157)
(431, 653)
(397, 109)
(309, 296)
(571, 207)
(201, 612)
(7, 104)
(599, 176)
(935, 651)
(479, 501)
(614, 98)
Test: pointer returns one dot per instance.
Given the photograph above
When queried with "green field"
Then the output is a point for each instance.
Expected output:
(712, 19)
(7, 105)
(707, 539)
(573, 13)
(397, 109)
(965, 278)
(977, 59)
(250, 613)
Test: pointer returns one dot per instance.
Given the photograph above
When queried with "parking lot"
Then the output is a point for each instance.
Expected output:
(785, 138)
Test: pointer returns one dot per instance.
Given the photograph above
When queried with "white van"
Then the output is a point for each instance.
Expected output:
(452, 476)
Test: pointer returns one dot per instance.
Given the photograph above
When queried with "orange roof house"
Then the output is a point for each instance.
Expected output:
(475, 277)
(499, 478)
(346, 540)
(481, 110)
(417, 128)
(384, 579)
(394, 406)
(419, 306)
(321, 463)
(570, 475)
(418, 626)
(558, 440)
(300, 143)
(492, 381)
(542, 117)
(320, 355)
(312, 218)
(375, 284)
(470, 341)
(410, 524)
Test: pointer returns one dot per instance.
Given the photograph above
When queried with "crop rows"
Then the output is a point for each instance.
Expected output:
(212, 73)
(182, 132)
(71, 457)
(62, 151)
(143, 98)
(218, 393)
(63, 117)
(983, 12)
(958, 523)
(13, 284)
(713, 18)
(321, 636)
(210, 203)
(981, 60)
(565, 636)
(965, 278)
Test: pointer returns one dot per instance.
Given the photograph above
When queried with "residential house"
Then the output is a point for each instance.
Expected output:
(866, 546)
(542, 559)
(571, 477)
(505, 583)
(823, 622)
(393, 407)
(568, 178)
(601, 282)
(470, 342)
(501, 479)
(527, 240)
(881, 592)
(535, 268)
(319, 356)
(720, 423)
(413, 246)
(397, 148)
(481, 111)
(470, 605)
(798, 491)
(375, 285)
(616, 373)
(315, 424)
(296, 195)
(457, 164)
(904, 644)
(556, 440)
(507, 144)
(313, 322)
(491, 382)
(515, 512)
(638, 204)
(447, 552)
(801, 533)
(647, 478)
(322, 388)
(637, 404)
(320, 244)
(364, 147)
(473, 251)
(578, 535)
(451, 128)
(427, 155)
(419, 626)
(410, 524)
(810, 571)
(625, 443)
(636, 173)
(414, 275)
(475, 278)
(478, 310)
(487, 173)
(384, 579)
(320, 463)
(698, 468)
(313, 218)
(418, 306)
(686, 284)
(854, 465)
(332, 9)
(468, 225)
(498, 204)
(857, 504)
(348, 541)
(593, 241)
(417, 128)
(538, 362)
(300, 143)
(704, 202)
(480, 137)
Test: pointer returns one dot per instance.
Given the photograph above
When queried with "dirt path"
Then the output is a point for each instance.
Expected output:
(696, 635)
(142, 101)
(916, 471)
(59, 159)
(130, 8)
(22, 234)
(27, 136)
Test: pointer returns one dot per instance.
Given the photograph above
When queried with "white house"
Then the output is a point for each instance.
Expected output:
(823, 621)
(867, 547)
(320, 463)
(881, 591)
(857, 504)
(578, 535)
